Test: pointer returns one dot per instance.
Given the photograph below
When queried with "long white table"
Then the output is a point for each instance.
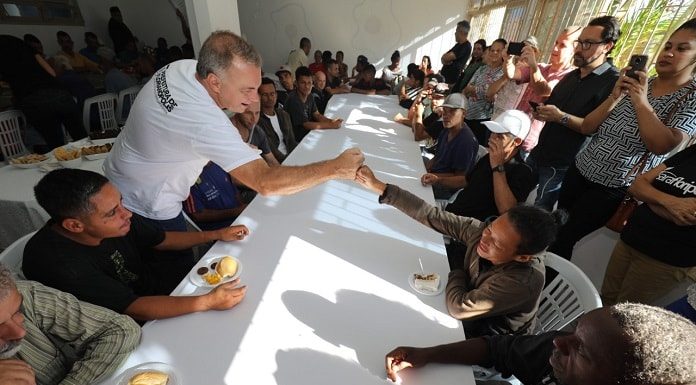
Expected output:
(20, 213)
(327, 274)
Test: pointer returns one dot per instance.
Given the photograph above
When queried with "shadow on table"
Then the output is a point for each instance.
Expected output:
(305, 366)
(355, 320)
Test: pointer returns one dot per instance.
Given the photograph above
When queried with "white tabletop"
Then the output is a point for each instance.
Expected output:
(327, 273)
(21, 214)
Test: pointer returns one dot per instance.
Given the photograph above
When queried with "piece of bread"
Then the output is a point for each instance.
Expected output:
(149, 378)
(226, 267)
(427, 282)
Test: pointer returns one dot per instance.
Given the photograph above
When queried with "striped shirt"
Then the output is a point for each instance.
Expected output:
(71, 342)
(478, 108)
(617, 147)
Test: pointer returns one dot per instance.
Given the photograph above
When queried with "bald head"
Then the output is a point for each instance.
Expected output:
(320, 80)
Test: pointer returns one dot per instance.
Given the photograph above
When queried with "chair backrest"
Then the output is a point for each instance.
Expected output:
(568, 296)
(106, 108)
(13, 255)
(125, 99)
(11, 124)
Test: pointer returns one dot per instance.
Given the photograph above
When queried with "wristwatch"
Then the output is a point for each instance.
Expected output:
(498, 168)
(564, 119)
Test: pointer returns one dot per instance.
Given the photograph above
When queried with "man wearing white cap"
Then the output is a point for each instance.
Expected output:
(286, 81)
(456, 150)
(500, 179)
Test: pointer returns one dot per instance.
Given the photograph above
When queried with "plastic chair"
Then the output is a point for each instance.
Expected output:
(126, 98)
(563, 300)
(568, 296)
(106, 107)
(11, 125)
(12, 256)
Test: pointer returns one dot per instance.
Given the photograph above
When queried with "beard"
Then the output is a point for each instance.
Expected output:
(10, 349)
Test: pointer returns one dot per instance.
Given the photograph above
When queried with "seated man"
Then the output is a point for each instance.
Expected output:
(626, 344)
(275, 122)
(455, 153)
(251, 134)
(97, 250)
(334, 85)
(285, 78)
(78, 62)
(302, 109)
(49, 337)
(369, 85)
(498, 289)
(501, 179)
(214, 202)
(320, 96)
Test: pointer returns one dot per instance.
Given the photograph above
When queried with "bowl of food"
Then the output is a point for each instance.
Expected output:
(68, 157)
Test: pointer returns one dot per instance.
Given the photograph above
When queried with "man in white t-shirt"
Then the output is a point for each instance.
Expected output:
(298, 57)
(176, 126)
(275, 122)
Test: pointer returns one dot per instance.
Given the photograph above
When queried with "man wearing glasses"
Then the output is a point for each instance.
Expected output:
(575, 96)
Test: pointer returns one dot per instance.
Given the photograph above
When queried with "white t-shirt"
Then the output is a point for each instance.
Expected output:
(276, 128)
(174, 128)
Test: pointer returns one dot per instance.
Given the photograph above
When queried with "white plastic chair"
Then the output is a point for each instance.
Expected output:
(11, 125)
(12, 256)
(106, 107)
(568, 296)
(126, 97)
(563, 300)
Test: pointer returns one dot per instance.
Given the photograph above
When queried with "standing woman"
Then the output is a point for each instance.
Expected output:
(641, 119)
(480, 107)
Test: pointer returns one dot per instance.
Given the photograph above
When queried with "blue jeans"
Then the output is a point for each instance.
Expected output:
(550, 181)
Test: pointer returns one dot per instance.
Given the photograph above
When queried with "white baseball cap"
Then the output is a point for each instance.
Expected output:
(514, 122)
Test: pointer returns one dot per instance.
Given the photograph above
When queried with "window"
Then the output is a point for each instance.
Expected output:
(645, 24)
(60, 12)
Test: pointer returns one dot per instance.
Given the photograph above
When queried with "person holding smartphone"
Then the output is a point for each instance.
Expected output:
(641, 116)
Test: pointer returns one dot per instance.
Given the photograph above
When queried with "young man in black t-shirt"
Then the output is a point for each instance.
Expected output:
(97, 250)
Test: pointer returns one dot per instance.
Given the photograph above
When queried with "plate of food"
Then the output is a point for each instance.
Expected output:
(426, 283)
(68, 156)
(28, 161)
(150, 373)
(97, 151)
(213, 271)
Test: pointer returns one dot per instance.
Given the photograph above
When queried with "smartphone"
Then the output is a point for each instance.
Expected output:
(534, 105)
(637, 63)
(515, 48)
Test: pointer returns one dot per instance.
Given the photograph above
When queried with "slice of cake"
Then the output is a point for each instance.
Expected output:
(428, 282)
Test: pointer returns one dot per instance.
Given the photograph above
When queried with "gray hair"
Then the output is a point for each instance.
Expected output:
(220, 49)
(7, 282)
(662, 345)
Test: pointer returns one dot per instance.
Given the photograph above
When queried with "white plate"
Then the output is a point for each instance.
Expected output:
(30, 165)
(174, 377)
(412, 283)
(101, 142)
(198, 280)
(96, 156)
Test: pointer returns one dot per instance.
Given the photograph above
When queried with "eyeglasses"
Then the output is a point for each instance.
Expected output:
(586, 44)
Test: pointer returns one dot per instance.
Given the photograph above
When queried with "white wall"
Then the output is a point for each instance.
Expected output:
(374, 28)
(148, 20)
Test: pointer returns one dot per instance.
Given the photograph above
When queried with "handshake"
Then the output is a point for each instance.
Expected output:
(349, 165)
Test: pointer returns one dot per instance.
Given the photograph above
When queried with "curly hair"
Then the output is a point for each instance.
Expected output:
(662, 345)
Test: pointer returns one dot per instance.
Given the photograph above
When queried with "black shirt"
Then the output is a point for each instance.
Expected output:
(120, 34)
(20, 69)
(477, 199)
(112, 275)
(300, 112)
(525, 357)
(320, 99)
(451, 71)
(660, 238)
(577, 96)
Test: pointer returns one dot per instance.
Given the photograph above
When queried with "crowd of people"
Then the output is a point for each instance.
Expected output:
(499, 123)
(51, 89)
